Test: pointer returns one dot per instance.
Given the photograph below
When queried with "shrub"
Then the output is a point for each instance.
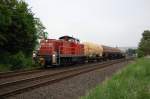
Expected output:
(17, 61)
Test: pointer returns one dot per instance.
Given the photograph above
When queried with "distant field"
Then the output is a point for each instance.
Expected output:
(133, 82)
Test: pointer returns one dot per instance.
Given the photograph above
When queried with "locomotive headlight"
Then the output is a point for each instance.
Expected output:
(54, 60)
(54, 55)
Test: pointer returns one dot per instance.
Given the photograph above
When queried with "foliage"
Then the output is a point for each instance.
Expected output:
(144, 45)
(130, 83)
(131, 52)
(4, 68)
(19, 32)
(17, 61)
(40, 29)
(18, 27)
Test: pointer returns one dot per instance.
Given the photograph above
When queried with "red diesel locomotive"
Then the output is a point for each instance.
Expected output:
(66, 50)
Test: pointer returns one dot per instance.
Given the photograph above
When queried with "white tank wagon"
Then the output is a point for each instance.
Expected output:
(93, 51)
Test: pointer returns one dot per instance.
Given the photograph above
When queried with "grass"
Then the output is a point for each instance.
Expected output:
(133, 82)
(4, 68)
(7, 67)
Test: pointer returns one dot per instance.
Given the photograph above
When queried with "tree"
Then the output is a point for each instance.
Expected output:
(144, 45)
(40, 29)
(131, 52)
(19, 29)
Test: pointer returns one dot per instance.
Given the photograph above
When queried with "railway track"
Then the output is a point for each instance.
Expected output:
(16, 73)
(22, 85)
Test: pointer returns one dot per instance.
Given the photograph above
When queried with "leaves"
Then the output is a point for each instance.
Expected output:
(19, 28)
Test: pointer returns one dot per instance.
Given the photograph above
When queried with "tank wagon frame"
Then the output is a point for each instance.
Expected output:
(69, 50)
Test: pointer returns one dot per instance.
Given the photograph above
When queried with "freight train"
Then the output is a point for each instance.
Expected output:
(69, 50)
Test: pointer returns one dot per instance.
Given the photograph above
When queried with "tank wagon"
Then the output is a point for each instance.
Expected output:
(69, 50)
(112, 53)
(93, 52)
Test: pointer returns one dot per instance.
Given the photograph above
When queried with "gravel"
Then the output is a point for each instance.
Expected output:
(72, 88)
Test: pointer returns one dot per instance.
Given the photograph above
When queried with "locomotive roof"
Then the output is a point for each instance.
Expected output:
(69, 37)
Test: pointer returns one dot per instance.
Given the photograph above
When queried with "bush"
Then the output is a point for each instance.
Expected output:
(17, 61)
(140, 53)
(4, 57)
(30, 64)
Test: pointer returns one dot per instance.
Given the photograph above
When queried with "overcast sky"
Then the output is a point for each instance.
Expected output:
(109, 22)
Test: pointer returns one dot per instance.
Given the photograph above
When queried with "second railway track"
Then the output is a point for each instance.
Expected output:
(22, 85)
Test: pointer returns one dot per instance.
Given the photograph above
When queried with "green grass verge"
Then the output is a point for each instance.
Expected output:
(4, 68)
(133, 82)
(7, 67)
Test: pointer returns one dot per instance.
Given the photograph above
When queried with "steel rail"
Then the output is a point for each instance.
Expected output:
(14, 88)
(19, 72)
